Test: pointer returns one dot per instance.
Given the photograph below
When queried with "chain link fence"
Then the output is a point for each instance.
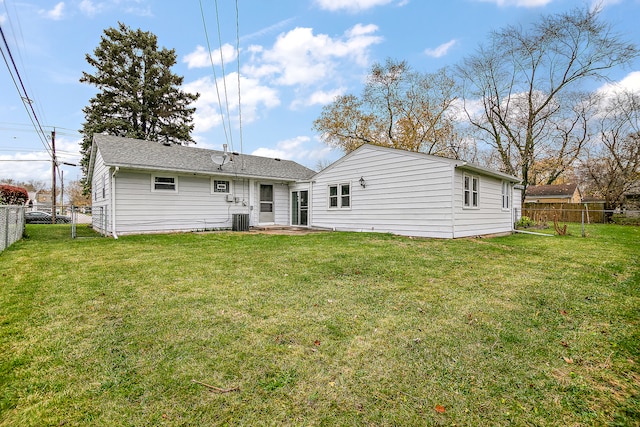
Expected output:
(11, 225)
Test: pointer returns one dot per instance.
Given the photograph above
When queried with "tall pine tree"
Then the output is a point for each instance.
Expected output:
(139, 97)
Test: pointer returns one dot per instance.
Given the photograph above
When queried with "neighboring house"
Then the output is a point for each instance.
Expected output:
(140, 186)
(632, 197)
(415, 194)
(563, 193)
(145, 187)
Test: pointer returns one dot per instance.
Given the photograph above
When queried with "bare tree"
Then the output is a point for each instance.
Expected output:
(76, 194)
(522, 90)
(611, 166)
(398, 108)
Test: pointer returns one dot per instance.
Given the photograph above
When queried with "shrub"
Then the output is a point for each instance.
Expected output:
(525, 222)
(11, 195)
(622, 219)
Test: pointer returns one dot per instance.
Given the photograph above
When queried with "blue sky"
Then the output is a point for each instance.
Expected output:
(294, 57)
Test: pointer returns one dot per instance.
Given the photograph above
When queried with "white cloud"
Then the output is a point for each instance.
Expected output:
(254, 96)
(56, 13)
(87, 7)
(200, 59)
(351, 5)
(601, 4)
(272, 28)
(441, 50)
(140, 11)
(301, 58)
(3, 18)
(319, 97)
(518, 3)
(36, 165)
(631, 82)
(26, 166)
(301, 149)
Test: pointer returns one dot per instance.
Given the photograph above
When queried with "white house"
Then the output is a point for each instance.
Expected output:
(145, 187)
(148, 187)
(415, 194)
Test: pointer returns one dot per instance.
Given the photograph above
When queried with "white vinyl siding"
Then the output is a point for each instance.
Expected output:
(488, 217)
(406, 193)
(410, 194)
(142, 210)
(101, 189)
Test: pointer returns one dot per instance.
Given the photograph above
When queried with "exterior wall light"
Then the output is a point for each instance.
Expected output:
(362, 182)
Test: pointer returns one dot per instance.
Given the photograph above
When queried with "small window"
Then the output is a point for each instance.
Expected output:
(340, 196)
(471, 191)
(345, 196)
(165, 183)
(506, 193)
(220, 186)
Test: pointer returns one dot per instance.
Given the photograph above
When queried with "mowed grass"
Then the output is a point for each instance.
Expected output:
(320, 329)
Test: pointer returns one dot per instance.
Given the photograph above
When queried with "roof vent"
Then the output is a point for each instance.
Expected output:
(276, 159)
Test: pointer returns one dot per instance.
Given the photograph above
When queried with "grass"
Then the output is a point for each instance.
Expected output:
(320, 329)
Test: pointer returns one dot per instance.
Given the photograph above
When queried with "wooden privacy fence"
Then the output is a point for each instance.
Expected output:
(594, 213)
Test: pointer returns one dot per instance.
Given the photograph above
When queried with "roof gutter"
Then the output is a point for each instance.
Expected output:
(203, 173)
(489, 172)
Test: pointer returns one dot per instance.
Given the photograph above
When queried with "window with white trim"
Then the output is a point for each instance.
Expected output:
(506, 195)
(471, 191)
(220, 186)
(164, 183)
(340, 196)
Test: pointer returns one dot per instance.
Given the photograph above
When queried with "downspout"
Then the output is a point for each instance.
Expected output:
(453, 200)
(113, 202)
(513, 208)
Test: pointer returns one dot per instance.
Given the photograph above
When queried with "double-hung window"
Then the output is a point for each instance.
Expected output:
(471, 191)
(340, 196)
(506, 195)
(164, 183)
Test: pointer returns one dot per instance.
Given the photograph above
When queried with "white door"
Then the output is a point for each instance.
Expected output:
(300, 207)
(266, 204)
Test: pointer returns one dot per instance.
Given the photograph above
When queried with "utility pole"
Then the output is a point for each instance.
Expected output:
(53, 176)
(61, 191)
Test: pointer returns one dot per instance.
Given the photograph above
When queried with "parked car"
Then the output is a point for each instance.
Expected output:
(37, 217)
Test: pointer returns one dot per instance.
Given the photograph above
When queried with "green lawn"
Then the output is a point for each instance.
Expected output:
(320, 329)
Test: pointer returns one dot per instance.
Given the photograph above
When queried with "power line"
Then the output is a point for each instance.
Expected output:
(23, 94)
(213, 68)
(16, 35)
(224, 77)
(238, 61)
(25, 160)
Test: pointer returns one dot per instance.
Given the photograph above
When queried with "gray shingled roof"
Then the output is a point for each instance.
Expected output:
(562, 190)
(148, 155)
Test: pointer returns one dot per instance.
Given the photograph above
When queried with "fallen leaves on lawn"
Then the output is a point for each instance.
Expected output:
(440, 409)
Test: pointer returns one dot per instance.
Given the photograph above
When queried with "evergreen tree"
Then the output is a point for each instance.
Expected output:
(139, 97)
